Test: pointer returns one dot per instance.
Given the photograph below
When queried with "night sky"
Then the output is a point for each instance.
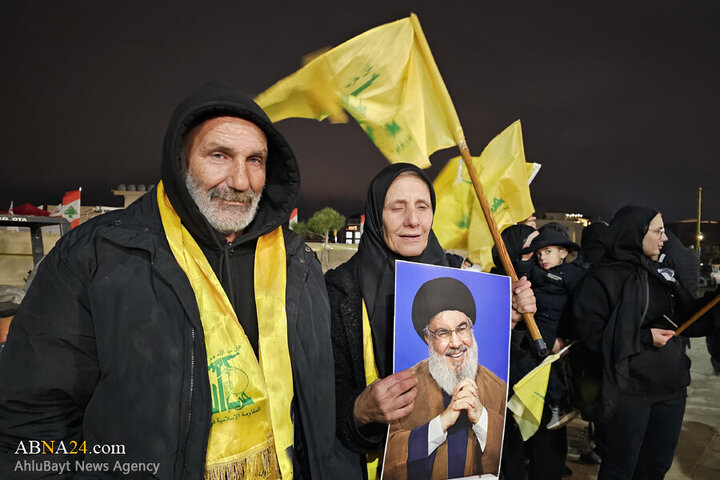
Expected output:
(618, 99)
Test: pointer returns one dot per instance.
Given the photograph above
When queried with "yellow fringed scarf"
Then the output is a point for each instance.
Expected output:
(251, 429)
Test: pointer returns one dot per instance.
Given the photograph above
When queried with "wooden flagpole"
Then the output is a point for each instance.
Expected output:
(505, 258)
(699, 314)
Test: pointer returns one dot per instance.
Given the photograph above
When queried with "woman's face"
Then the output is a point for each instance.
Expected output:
(654, 238)
(407, 215)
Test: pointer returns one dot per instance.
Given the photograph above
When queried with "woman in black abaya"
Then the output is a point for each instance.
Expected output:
(625, 310)
(398, 226)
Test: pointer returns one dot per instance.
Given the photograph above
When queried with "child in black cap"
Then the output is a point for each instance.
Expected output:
(553, 279)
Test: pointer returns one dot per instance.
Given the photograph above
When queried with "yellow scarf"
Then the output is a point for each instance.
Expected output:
(371, 374)
(251, 429)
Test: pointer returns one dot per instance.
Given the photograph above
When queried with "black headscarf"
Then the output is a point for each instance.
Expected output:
(591, 245)
(514, 238)
(623, 239)
(376, 262)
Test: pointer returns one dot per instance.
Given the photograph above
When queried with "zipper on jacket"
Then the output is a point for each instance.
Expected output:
(190, 399)
(226, 272)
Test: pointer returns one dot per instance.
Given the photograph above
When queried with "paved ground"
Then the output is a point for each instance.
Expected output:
(698, 453)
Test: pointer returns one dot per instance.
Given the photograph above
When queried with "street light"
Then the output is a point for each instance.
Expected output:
(700, 237)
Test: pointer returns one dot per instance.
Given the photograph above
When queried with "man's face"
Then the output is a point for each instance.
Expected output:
(226, 160)
(450, 336)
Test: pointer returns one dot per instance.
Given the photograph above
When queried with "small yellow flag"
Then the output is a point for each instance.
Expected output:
(529, 399)
(387, 79)
(504, 174)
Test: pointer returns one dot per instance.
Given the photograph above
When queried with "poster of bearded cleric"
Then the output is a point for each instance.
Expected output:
(452, 328)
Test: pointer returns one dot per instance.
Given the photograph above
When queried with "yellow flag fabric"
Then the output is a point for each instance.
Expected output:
(529, 398)
(459, 221)
(387, 79)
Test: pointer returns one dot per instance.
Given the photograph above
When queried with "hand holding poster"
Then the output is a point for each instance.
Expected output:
(452, 330)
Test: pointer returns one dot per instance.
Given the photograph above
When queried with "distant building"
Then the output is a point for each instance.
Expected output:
(575, 222)
(353, 230)
(131, 192)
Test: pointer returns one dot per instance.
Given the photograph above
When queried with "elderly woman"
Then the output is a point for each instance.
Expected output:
(626, 310)
(398, 226)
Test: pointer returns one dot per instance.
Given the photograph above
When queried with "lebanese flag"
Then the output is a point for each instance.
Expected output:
(70, 207)
(293, 217)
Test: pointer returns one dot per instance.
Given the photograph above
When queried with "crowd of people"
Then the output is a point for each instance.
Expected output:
(621, 298)
(197, 331)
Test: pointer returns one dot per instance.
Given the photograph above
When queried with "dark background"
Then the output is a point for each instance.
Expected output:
(618, 100)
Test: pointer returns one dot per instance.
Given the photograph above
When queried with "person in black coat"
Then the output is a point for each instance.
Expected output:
(398, 226)
(591, 246)
(109, 345)
(626, 309)
(522, 360)
(542, 457)
(553, 279)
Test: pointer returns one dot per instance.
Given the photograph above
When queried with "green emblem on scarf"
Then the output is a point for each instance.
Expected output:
(225, 395)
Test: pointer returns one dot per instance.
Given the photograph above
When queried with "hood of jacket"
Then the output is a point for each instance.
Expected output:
(282, 176)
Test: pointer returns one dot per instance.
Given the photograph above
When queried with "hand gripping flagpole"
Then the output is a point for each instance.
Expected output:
(504, 257)
(697, 315)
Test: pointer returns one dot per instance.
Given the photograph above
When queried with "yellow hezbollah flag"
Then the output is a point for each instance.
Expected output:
(387, 79)
(454, 197)
(504, 175)
(529, 399)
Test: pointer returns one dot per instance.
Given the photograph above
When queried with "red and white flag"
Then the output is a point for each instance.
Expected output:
(70, 207)
(293, 217)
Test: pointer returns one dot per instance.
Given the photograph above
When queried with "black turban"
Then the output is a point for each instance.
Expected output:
(438, 295)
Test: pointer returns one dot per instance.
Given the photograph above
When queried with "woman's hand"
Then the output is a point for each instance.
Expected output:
(386, 400)
(661, 336)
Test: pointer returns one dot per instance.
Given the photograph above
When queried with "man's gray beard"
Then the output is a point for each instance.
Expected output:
(448, 378)
(224, 218)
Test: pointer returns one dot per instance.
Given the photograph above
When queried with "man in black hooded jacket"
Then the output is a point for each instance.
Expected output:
(108, 352)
